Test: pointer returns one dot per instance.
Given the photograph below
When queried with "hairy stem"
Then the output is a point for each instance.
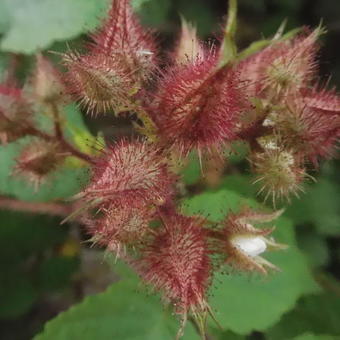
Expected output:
(56, 117)
(68, 147)
(52, 208)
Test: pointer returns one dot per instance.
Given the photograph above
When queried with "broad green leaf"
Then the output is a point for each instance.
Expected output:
(56, 272)
(243, 304)
(4, 17)
(320, 206)
(215, 205)
(68, 180)
(318, 314)
(310, 336)
(314, 247)
(225, 335)
(23, 238)
(192, 171)
(34, 24)
(17, 294)
(64, 183)
(22, 234)
(121, 312)
(241, 184)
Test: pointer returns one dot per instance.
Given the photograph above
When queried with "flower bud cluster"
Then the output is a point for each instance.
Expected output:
(38, 161)
(294, 122)
(43, 94)
(120, 60)
(199, 103)
(15, 114)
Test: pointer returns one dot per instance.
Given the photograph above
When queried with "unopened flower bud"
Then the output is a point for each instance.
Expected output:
(309, 131)
(189, 48)
(243, 243)
(279, 173)
(123, 37)
(176, 262)
(47, 84)
(15, 114)
(198, 107)
(252, 246)
(38, 161)
(119, 228)
(130, 174)
(282, 67)
(99, 82)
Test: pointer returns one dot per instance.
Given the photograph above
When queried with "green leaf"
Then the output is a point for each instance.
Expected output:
(67, 180)
(243, 304)
(56, 272)
(22, 234)
(4, 17)
(310, 336)
(17, 294)
(314, 247)
(215, 205)
(225, 335)
(318, 314)
(192, 171)
(241, 184)
(121, 312)
(64, 183)
(256, 46)
(35, 24)
(229, 48)
(319, 206)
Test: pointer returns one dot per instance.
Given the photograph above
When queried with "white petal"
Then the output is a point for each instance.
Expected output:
(250, 245)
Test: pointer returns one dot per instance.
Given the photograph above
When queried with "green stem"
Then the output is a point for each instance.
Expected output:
(231, 26)
(228, 49)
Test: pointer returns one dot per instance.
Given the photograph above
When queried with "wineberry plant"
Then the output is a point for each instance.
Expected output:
(198, 103)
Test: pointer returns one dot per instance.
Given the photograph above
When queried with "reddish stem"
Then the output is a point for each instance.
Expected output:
(68, 147)
(57, 209)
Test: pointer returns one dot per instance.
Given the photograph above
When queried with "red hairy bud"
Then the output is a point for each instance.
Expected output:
(322, 100)
(177, 263)
(130, 174)
(311, 132)
(38, 160)
(189, 48)
(197, 107)
(282, 67)
(99, 82)
(47, 85)
(122, 34)
(119, 228)
(15, 114)
(243, 243)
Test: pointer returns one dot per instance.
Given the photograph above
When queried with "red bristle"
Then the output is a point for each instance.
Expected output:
(197, 107)
(177, 263)
(130, 174)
